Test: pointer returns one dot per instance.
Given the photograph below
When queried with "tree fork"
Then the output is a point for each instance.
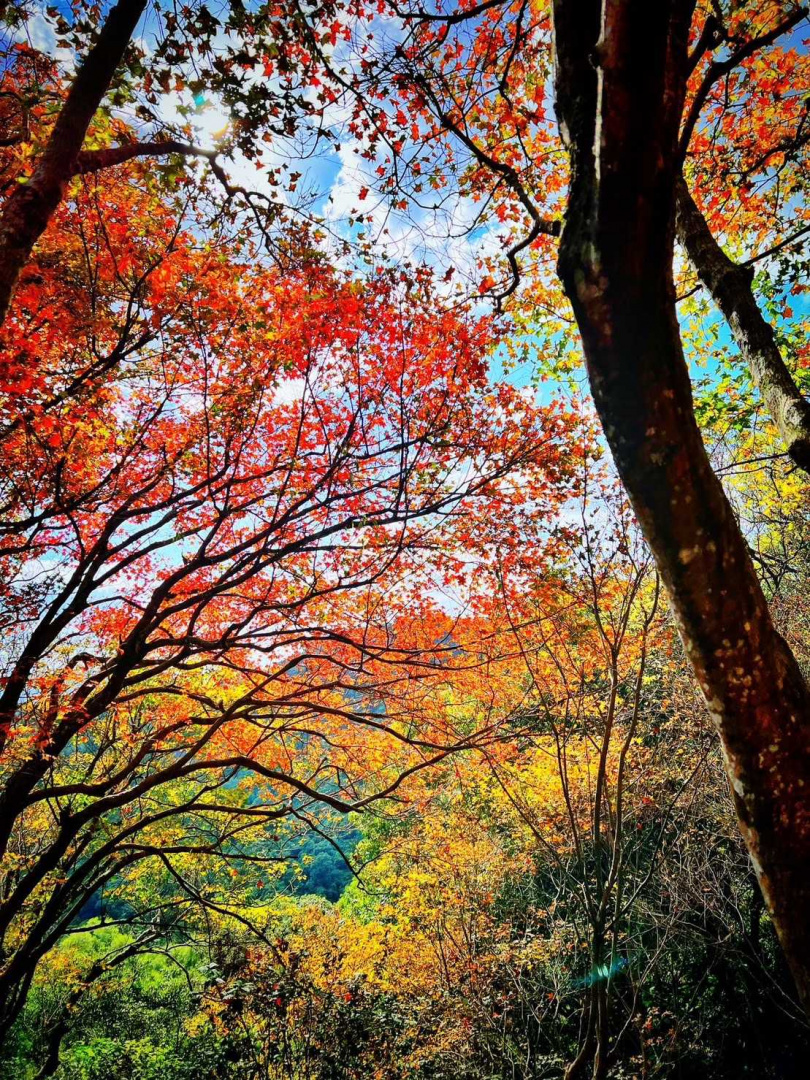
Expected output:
(31, 206)
(620, 75)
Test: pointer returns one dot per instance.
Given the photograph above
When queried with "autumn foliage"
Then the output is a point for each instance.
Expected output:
(313, 552)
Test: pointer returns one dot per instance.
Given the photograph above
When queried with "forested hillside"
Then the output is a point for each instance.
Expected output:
(404, 564)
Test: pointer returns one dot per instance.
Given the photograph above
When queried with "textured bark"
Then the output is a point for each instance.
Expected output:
(91, 161)
(620, 85)
(730, 286)
(28, 210)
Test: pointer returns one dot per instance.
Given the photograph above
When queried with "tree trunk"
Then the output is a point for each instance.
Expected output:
(602, 1047)
(730, 286)
(31, 205)
(584, 1057)
(620, 86)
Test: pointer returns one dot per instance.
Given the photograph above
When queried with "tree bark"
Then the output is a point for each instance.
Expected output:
(30, 207)
(620, 74)
(730, 286)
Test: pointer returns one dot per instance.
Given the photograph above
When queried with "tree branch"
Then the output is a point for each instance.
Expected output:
(31, 206)
(730, 286)
(720, 68)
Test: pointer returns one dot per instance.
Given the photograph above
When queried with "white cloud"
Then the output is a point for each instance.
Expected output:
(288, 391)
(39, 32)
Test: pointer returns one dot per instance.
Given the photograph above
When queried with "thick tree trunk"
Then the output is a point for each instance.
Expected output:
(730, 286)
(620, 84)
(30, 207)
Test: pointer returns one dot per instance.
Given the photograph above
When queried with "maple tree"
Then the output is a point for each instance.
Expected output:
(228, 493)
